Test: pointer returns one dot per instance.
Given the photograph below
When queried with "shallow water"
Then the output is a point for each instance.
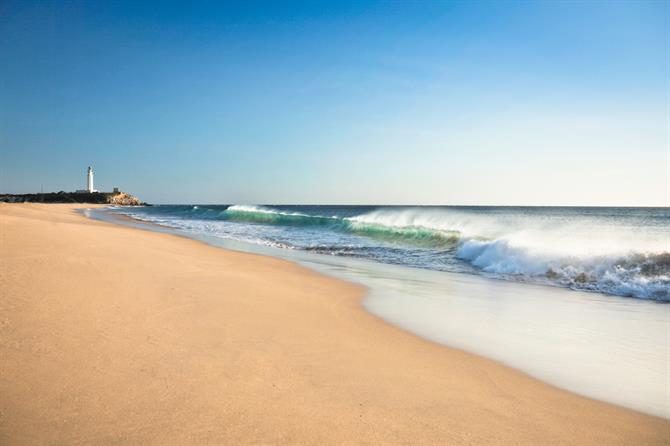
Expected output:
(606, 347)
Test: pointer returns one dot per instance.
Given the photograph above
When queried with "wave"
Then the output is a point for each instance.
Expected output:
(263, 214)
(641, 275)
(569, 250)
(574, 251)
(565, 252)
(414, 234)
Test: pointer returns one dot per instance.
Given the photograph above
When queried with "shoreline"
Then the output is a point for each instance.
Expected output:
(221, 346)
(614, 340)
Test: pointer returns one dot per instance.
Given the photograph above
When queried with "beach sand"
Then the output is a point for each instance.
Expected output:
(113, 335)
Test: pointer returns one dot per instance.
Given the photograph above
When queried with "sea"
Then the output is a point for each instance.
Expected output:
(575, 296)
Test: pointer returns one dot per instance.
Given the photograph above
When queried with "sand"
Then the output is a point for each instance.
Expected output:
(114, 335)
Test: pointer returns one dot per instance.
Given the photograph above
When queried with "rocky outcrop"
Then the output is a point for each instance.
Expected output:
(124, 199)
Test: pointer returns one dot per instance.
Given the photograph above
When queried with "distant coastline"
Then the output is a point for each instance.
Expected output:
(113, 198)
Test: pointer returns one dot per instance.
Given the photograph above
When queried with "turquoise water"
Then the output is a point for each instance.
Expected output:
(615, 251)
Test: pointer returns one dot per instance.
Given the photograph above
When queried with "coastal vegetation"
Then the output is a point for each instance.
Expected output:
(114, 198)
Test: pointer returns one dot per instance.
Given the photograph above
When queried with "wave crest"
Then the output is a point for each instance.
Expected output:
(641, 275)
(415, 234)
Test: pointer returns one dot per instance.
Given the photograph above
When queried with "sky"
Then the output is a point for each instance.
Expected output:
(337, 102)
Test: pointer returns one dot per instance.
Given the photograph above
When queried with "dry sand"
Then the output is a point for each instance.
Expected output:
(113, 335)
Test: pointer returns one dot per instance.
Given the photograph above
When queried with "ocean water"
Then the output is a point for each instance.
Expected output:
(575, 297)
(615, 251)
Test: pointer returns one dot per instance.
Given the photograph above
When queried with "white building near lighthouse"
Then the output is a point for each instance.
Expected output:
(89, 183)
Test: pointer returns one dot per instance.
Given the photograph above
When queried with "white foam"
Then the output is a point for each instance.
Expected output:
(578, 252)
(262, 210)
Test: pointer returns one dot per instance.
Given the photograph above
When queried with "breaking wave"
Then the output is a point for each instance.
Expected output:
(575, 250)
(414, 234)
(545, 251)
(641, 275)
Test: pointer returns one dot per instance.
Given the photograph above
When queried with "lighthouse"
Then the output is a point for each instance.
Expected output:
(89, 180)
(90, 189)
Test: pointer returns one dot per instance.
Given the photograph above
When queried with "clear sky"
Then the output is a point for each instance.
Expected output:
(489, 102)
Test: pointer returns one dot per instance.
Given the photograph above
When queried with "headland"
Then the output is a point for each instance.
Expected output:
(113, 198)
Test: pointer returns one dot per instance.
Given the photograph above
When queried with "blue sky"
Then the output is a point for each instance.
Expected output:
(544, 103)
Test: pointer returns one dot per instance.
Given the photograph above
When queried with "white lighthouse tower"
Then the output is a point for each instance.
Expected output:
(89, 180)
(89, 183)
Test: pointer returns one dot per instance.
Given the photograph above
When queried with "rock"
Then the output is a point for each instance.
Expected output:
(123, 199)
